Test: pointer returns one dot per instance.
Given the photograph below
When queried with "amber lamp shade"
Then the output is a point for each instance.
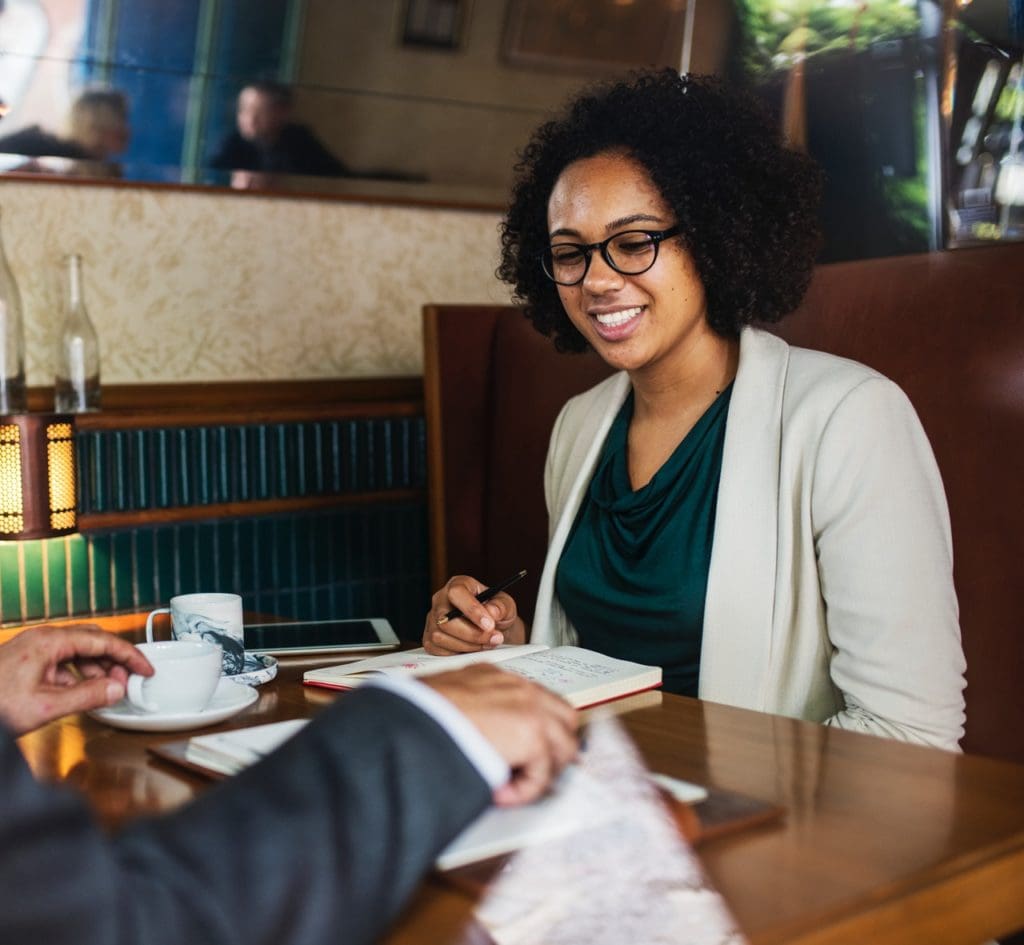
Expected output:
(37, 475)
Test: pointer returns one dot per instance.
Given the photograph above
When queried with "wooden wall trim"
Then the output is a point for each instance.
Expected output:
(256, 393)
(227, 416)
(98, 521)
(224, 402)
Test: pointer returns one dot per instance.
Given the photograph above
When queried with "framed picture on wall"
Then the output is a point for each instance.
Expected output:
(598, 36)
(435, 24)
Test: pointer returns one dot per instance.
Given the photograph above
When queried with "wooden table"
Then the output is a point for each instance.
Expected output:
(881, 843)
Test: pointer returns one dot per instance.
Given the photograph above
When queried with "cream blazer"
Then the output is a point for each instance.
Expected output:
(830, 593)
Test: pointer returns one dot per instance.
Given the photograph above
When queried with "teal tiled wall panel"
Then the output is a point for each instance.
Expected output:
(356, 561)
(134, 470)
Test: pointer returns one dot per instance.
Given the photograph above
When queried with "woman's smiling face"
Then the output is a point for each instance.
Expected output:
(635, 322)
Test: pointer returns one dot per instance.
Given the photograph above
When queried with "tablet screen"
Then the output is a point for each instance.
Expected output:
(318, 635)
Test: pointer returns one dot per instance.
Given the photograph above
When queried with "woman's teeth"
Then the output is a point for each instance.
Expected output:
(612, 319)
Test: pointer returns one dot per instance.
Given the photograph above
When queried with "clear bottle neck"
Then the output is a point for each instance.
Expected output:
(75, 292)
(77, 383)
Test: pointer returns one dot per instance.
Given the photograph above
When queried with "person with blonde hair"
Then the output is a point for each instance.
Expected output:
(98, 123)
(97, 130)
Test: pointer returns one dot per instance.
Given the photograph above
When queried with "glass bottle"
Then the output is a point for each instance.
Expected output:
(12, 343)
(77, 383)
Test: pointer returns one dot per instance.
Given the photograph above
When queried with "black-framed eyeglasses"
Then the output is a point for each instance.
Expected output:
(630, 252)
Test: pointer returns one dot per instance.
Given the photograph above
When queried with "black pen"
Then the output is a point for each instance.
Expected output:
(483, 596)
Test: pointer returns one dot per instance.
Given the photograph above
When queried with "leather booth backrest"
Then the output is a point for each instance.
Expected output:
(947, 327)
(493, 387)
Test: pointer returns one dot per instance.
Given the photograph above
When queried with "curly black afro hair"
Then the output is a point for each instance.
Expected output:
(747, 205)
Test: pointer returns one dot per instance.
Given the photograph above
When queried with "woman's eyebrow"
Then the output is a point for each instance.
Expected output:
(632, 218)
(618, 224)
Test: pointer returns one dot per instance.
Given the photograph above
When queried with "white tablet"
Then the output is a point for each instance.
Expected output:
(320, 636)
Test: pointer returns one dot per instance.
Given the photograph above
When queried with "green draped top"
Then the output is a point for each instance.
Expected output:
(634, 572)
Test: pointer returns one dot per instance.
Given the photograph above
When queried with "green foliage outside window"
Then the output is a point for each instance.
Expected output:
(872, 206)
(776, 31)
(907, 197)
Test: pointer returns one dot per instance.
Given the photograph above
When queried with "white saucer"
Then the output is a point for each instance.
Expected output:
(257, 669)
(229, 699)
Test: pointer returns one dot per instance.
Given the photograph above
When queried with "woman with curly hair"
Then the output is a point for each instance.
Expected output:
(765, 523)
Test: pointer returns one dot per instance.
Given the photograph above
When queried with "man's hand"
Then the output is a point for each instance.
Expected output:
(532, 729)
(47, 672)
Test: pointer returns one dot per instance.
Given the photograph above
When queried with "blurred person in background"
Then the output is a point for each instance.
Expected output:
(98, 130)
(267, 142)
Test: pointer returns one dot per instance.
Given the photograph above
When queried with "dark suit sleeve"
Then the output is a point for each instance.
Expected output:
(321, 842)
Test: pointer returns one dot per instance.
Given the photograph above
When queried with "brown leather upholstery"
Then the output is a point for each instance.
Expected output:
(948, 327)
(493, 387)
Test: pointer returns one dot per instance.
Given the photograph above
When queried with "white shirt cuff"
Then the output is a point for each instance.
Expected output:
(480, 753)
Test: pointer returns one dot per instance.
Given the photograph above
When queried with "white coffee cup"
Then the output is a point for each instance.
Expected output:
(186, 675)
(213, 617)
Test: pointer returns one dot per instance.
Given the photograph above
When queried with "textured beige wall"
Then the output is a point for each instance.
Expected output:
(203, 286)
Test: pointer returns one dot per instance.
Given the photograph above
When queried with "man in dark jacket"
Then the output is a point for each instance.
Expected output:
(267, 142)
(322, 841)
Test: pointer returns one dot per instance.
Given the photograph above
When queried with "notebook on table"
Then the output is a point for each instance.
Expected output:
(582, 677)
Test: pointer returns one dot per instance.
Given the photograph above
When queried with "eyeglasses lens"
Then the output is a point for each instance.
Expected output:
(630, 253)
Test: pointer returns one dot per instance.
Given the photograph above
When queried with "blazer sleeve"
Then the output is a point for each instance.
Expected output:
(323, 841)
(884, 551)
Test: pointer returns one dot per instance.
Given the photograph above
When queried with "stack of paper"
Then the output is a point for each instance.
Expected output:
(619, 872)
(229, 752)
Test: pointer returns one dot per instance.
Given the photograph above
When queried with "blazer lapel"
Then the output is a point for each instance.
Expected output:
(738, 611)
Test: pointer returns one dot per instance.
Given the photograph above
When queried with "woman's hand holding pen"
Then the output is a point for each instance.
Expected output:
(482, 625)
